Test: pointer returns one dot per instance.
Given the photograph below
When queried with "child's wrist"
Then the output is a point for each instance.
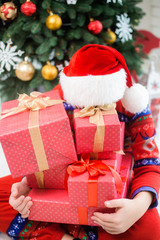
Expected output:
(143, 199)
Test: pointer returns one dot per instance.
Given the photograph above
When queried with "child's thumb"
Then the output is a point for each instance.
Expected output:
(14, 190)
(114, 203)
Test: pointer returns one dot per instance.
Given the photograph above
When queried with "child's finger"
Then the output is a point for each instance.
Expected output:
(115, 203)
(15, 202)
(25, 215)
(101, 222)
(104, 217)
(23, 204)
(14, 189)
(26, 208)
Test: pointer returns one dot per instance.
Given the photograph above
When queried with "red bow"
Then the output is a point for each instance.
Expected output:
(94, 168)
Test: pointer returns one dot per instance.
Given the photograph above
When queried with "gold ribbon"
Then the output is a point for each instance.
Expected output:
(40, 179)
(95, 115)
(34, 103)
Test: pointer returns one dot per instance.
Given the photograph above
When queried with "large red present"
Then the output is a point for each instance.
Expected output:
(52, 205)
(98, 182)
(97, 132)
(36, 140)
(51, 178)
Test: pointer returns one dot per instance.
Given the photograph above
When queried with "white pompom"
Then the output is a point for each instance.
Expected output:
(135, 98)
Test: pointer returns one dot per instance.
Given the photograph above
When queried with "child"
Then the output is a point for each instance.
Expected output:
(98, 75)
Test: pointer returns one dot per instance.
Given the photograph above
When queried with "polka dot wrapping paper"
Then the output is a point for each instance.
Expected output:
(78, 187)
(85, 133)
(55, 132)
(51, 178)
(52, 205)
(111, 155)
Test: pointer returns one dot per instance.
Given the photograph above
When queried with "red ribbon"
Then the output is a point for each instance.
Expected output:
(94, 168)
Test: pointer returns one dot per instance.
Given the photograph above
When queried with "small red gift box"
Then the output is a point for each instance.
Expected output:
(52, 205)
(97, 133)
(95, 188)
(51, 178)
(36, 140)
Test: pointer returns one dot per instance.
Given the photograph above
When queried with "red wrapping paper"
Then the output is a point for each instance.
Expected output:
(85, 133)
(51, 205)
(52, 178)
(55, 132)
(110, 154)
(105, 188)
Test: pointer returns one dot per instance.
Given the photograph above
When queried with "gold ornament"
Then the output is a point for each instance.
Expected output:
(49, 72)
(53, 21)
(8, 11)
(25, 70)
(110, 37)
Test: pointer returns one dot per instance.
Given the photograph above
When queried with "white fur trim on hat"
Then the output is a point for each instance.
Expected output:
(135, 99)
(93, 90)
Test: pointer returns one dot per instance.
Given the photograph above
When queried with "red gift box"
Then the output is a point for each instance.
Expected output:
(51, 178)
(92, 135)
(110, 154)
(51, 205)
(94, 190)
(37, 140)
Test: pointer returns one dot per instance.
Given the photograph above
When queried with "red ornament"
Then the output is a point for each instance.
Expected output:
(8, 11)
(28, 8)
(95, 26)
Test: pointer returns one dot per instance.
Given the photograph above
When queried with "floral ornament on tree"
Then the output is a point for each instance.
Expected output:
(114, 1)
(71, 2)
(61, 66)
(8, 56)
(124, 29)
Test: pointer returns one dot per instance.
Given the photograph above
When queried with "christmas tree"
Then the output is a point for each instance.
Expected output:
(37, 38)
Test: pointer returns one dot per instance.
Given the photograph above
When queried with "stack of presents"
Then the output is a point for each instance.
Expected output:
(71, 167)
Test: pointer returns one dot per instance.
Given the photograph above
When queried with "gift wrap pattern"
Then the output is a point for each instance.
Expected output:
(103, 186)
(51, 178)
(52, 205)
(85, 133)
(55, 137)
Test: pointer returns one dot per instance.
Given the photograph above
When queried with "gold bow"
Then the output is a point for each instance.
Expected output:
(96, 117)
(34, 102)
(91, 110)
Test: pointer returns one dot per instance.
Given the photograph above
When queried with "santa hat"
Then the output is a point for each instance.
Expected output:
(98, 75)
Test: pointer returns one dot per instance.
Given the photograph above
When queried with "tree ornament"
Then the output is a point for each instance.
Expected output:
(49, 72)
(25, 70)
(53, 21)
(114, 1)
(8, 11)
(124, 29)
(71, 2)
(110, 37)
(28, 8)
(95, 26)
(8, 56)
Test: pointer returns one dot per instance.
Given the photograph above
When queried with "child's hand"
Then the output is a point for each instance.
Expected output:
(18, 198)
(127, 212)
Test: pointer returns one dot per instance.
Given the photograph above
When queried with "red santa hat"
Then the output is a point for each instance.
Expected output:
(98, 75)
